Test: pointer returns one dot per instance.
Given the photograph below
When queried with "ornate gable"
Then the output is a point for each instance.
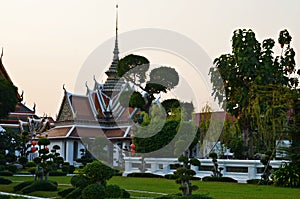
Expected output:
(65, 112)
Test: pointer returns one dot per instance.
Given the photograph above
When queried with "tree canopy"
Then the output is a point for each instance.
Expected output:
(250, 70)
(8, 97)
(135, 70)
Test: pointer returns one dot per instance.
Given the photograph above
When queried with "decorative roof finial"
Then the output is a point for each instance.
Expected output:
(34, 105)
(1, 53)
(64, 88)
(116, 49)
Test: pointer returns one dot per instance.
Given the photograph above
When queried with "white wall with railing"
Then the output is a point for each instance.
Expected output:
(240, 170)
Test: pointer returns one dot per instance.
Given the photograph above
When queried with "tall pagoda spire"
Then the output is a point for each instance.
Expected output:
(112, 83)
(116, 49)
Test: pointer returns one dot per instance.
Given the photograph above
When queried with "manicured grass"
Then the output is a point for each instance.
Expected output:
(216, 190)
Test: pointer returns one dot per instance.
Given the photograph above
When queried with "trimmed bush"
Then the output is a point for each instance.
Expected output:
(6, 173)
(144, 175)
(30, 164)
(68, 169)
(2, 167)
(5, 181)
(22, 185)
(171, 177)
(76, 193)
(253, 181)
(93, 191)
(57, 173)
(31, 170)
(65, 168)
(125, 194)
(218, 179)
(66, 164)
(5, 197)
(65, 192)
(114, 191)
(71, 169)
(39, 186)
(12, 168)
(80, 181)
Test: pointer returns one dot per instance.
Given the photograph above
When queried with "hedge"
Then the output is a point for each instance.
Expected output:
(6, 173)
(144, 175)
(65, 192)
(218, 179)
(93, 191)
(57, 173)
(5, 181)
(39, 186)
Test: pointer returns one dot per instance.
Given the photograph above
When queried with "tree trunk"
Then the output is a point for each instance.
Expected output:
(245, 141)
(47, 176)
(251, 151)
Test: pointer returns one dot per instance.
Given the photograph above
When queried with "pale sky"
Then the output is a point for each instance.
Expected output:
(46, 42)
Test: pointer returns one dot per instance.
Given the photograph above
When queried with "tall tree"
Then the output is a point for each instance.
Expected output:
(135, 70)
(251, 66)
(8, 97)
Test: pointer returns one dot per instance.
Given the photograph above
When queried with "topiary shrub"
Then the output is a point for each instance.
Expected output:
(65, 168)
(125, 194)
(23, 161)
(114, 191)
(6, 173)
(5, 197)
(171, 177)
(93, 191)
(22, 185)
(65, 192)
(66, 164)
(31, 170)
(57, 173)
(71, 169)
(2, 167)
(98, 172)
(30, 164)
(39, 186)
(12, 168)
(5, 181)
(76, 193)
(80, 181)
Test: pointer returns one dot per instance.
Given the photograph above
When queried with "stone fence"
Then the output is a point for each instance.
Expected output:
(240, 170)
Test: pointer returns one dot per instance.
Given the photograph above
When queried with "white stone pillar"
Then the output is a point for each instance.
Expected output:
(70, 151)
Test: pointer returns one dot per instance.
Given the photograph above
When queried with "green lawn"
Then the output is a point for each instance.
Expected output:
(216, 190)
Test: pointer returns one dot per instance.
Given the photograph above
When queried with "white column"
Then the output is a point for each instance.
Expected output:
(69, 151)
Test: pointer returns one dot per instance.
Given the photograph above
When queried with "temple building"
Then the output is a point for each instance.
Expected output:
(23, 117)
(98, 113)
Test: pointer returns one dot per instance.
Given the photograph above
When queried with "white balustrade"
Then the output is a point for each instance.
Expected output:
(240, 170)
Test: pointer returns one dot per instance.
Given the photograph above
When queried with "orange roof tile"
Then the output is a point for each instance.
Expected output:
(82, 108)
(58, 132)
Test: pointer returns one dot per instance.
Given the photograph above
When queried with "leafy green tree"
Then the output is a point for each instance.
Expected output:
(8, 97)
(251, 64)
(7, 151)
(134, 69)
